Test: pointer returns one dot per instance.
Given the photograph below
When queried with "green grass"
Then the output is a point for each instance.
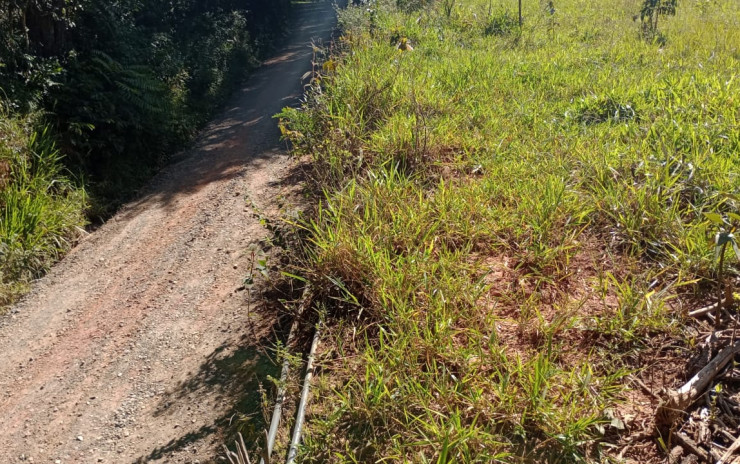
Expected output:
(41, 210)
(509, 217)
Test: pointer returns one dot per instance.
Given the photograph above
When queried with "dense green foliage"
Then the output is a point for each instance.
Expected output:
(40, 209)
(510, 218)
(112, 87)
(124, 83)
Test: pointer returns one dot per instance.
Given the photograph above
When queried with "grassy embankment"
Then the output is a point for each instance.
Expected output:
(513, 223)
(41, 210)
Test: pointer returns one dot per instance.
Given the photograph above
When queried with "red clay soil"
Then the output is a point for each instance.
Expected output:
(137, 347)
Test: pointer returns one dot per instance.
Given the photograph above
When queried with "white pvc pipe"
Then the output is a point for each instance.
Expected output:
(278, 411)
(293, 451)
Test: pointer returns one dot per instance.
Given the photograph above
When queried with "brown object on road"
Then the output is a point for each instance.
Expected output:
(136, 348)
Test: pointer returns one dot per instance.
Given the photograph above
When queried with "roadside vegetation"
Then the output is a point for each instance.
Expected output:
(41, 209)
(95, 95)
(513, 224)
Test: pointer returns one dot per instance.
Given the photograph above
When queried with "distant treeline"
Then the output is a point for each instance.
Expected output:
(123, 83)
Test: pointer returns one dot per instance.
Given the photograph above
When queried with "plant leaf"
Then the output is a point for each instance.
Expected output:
(715, 218)
(293, 276)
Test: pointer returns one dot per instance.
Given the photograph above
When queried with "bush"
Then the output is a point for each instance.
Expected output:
(502, 23)
(40, 208)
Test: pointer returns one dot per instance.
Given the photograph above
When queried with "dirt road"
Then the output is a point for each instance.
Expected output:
(136, 347)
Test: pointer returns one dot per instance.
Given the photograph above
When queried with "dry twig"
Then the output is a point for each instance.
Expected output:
(725, 459)
(679, 400)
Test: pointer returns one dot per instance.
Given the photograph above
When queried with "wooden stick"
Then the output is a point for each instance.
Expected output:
(265, 453)
(704, 310)
(680, 399)
(241, 440)
(228, 454)
(730, 451)
(687, 442)
(701, 380)
(520, 14)
(645, 388)
(242, 448)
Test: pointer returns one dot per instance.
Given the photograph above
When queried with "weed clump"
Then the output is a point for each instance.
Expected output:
(596, 110)
(501, 23)
(41, 209)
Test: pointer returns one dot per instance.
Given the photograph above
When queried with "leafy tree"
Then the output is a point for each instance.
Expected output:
(125, 82)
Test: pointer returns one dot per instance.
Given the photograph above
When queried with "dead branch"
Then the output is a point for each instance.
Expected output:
(691, 445)
(706, 309)
(679, 400)
(645, 388)
(703, 311)
(730, 451)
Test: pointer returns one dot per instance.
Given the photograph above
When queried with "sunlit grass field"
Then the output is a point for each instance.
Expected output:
(512, 226)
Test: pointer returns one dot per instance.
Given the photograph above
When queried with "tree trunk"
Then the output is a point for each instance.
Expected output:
(46, 28)
(24, 28)
(520, 14)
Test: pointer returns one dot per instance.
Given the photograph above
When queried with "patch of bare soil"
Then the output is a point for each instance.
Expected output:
(137, 347)
(567, 306)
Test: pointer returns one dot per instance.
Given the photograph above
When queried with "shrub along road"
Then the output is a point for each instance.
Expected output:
(133, 348)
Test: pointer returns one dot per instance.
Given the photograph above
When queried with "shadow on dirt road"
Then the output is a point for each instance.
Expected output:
(246, 133)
